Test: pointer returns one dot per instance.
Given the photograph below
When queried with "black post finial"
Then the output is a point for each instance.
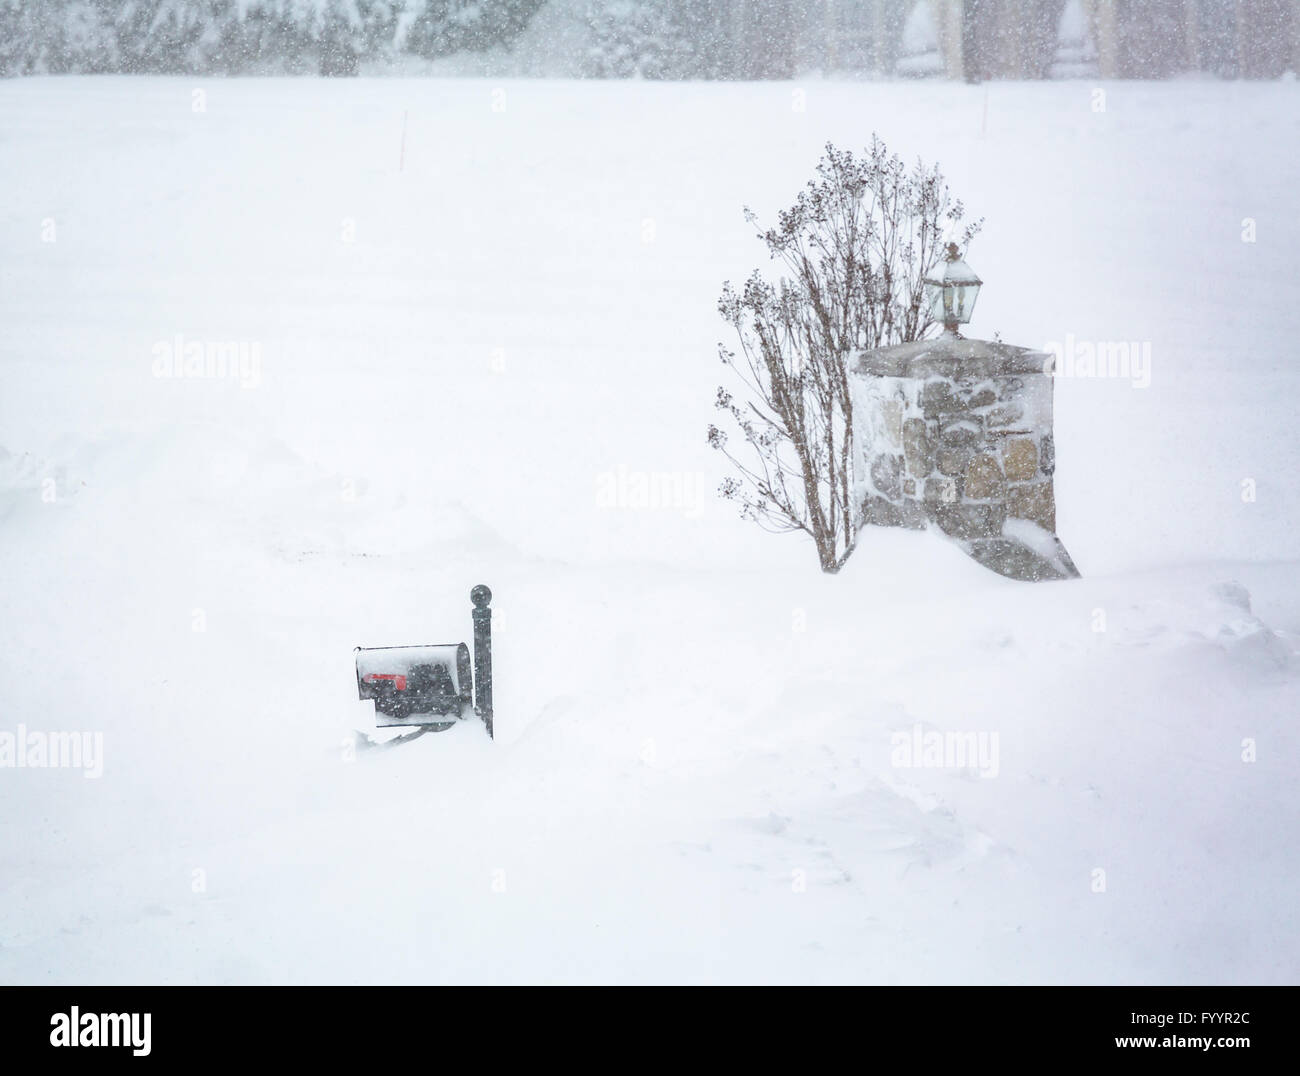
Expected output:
(481, 596)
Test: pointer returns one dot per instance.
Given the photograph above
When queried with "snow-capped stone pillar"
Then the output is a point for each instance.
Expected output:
(957, 434)
(1104, 17)
(947, 16)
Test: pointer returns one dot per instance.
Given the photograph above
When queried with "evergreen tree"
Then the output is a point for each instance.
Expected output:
(443, 27)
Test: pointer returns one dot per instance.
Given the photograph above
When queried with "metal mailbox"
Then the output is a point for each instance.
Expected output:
(416, 685)
(431, 686)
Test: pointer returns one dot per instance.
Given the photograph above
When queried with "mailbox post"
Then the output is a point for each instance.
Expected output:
(481, 596)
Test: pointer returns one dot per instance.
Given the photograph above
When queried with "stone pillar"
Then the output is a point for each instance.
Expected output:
(948, 22)
(1239, 24)
(957, 434)
(1264, 38)
(879, 39)
(1192, 34)
(1105, 32)
(830, 27)
(1012, 28)
(1293, 52)
(1295, 36)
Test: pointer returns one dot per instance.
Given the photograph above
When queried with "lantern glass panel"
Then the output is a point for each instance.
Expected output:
(934, 293)
(964, 302)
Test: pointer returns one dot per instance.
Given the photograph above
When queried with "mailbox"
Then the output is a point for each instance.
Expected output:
(431, 686)
(416, 685)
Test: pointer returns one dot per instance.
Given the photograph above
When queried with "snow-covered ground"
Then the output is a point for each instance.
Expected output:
(465, 366)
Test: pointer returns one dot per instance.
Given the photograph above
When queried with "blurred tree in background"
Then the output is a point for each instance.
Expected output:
(443, 27)
(663, 39)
